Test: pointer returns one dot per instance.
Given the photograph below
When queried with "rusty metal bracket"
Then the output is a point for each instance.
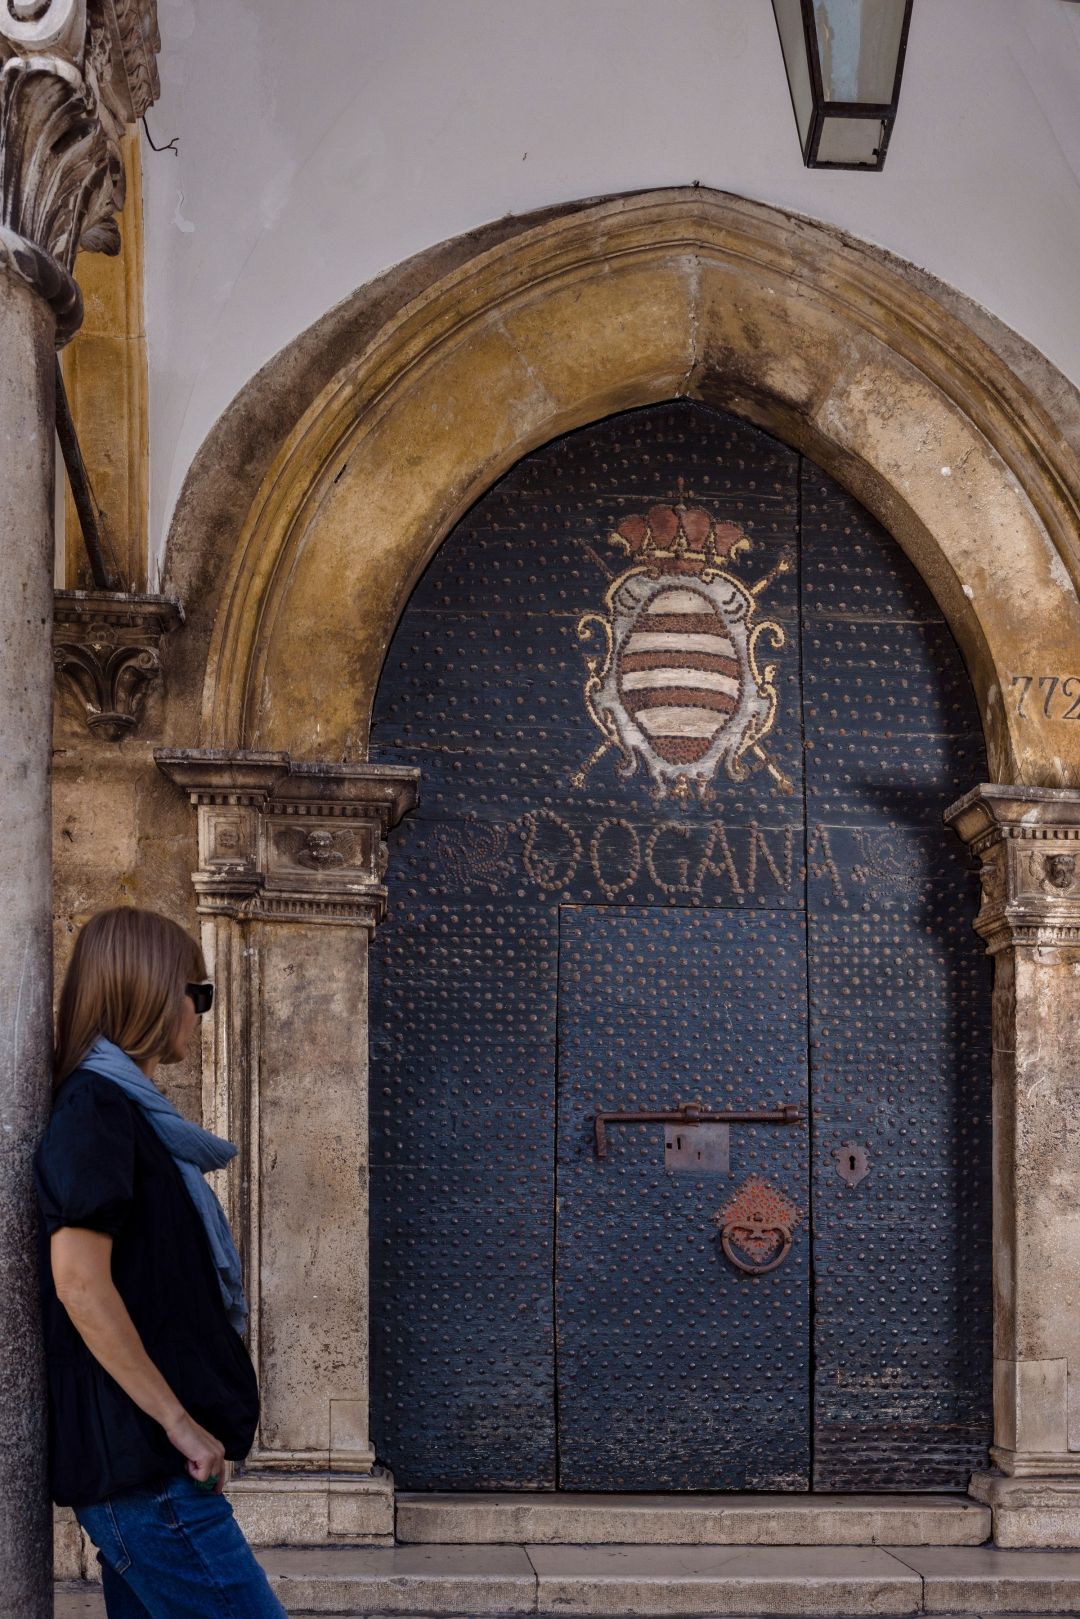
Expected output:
(692, 1113)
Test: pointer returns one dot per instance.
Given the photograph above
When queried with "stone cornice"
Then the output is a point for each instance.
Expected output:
(1027, 840)
(221, 775)
(73, 73)
(285, 840)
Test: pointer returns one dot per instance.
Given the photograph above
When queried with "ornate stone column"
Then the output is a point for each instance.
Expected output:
(72, 73)
(1028, 843)
(289, 885)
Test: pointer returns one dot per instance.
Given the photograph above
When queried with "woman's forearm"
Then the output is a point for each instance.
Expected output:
(82, 1271)
(101, 1319)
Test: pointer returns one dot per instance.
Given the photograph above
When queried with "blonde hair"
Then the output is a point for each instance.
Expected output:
(125, 980)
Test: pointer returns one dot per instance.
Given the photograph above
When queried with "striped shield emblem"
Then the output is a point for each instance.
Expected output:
(678, 685)
(679, 675)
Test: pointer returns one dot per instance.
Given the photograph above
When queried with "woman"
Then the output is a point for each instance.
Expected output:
(150, 1386)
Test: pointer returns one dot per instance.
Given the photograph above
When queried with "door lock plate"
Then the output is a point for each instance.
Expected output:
(852, 1162)
(700, 1147)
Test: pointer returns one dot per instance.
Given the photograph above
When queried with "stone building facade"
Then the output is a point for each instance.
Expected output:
(246, 749)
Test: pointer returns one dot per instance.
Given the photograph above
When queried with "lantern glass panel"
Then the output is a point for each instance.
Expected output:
(789, 21)
(858, 47)
(850, 141)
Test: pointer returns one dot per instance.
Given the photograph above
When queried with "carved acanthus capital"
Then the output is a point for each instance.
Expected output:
(73, 73)
(107, 654)
(1027, 840)
(281, 840)
(129, 83)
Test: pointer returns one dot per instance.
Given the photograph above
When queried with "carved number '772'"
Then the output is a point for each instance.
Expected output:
(1059, 695)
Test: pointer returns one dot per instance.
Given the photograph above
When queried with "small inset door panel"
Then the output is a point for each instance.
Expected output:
(682, 1295)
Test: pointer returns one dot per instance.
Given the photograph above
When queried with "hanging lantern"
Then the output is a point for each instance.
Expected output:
(844, 59)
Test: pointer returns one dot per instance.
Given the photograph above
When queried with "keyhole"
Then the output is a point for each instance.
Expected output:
(851, 1162)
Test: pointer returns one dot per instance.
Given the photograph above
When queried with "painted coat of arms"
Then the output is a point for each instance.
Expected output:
(678, 684)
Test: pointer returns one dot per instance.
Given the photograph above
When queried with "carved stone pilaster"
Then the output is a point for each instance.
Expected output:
(290, 887)
(73, 73)
(107, 654)
(1028, 843)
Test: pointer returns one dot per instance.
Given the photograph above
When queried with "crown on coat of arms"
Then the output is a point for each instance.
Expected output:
(680, 539)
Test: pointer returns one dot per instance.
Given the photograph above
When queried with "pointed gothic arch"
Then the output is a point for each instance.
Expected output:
(896, 386)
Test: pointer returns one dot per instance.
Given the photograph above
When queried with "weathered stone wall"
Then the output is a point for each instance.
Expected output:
(122, 835)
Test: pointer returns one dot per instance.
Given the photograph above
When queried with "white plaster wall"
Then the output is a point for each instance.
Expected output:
(322, 142)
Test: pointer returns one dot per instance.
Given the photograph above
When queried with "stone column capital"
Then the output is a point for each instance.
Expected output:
(73, 73)
(107, 654)
(284, 840)
(1027, 840)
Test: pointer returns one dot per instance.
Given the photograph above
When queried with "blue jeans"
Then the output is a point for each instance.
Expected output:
(172, 1551)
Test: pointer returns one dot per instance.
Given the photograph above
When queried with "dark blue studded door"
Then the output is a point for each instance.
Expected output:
(686, 721)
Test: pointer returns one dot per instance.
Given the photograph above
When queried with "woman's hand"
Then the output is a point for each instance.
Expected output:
(205, 1455)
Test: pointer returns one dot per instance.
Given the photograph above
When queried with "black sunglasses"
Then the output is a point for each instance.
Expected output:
(202, 996)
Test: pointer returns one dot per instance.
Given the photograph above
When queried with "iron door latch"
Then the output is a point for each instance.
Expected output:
(691, 1113)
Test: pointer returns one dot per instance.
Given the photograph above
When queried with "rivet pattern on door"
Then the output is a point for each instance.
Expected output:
(485, 689)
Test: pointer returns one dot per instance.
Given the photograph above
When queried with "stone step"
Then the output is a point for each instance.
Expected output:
(692, 1520)
(658, 1582)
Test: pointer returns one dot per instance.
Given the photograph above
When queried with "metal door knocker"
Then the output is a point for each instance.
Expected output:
(756, 1227)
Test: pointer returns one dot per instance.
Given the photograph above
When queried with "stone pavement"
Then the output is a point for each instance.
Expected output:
(646, 1582)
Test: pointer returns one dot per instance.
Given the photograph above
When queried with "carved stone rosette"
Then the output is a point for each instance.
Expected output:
(73, 73)
(107, 654)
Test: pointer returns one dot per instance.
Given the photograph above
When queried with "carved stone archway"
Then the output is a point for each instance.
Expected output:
(332, 480)
(835, 347)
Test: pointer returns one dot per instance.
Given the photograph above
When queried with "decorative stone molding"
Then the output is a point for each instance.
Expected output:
(1027, 841)
(73, 73)
(107, 653)
(286, 841)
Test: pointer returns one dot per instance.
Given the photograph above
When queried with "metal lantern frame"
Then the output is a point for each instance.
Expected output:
(825, 109)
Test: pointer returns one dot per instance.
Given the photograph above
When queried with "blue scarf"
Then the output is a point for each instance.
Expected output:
(194, 1151)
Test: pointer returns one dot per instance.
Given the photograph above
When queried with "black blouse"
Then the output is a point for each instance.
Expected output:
(101, 1165)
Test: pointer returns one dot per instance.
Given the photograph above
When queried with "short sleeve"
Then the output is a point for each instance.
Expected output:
(84, 1169)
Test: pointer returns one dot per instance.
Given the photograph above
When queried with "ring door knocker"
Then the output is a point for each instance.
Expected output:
(756, 1234)
(759, 1221)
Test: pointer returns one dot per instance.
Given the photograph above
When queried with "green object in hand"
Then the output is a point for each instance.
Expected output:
(208, 1483)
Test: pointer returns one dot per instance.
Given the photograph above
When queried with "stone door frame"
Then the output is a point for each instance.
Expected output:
(306, 520)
